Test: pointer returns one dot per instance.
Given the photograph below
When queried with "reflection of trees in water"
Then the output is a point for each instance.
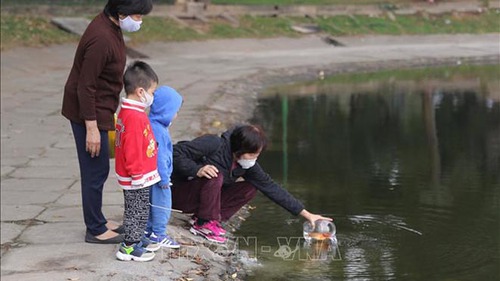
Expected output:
(389, 141)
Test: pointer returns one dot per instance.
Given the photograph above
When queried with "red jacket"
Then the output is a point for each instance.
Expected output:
(135, 147)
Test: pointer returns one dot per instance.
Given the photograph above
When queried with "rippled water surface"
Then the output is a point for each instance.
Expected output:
(408, 164)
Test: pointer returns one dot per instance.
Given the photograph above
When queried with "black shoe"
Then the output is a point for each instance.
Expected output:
(119, 230)
(89, 238)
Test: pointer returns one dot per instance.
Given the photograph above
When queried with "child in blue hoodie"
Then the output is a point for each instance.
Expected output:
(166, 104)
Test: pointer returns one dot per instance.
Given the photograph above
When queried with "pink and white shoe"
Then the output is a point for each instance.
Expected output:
(218, 226)
(208, 230)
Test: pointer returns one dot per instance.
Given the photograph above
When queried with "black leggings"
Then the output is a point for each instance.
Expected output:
(136, 214)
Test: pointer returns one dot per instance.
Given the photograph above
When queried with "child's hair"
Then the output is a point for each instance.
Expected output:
(128, 7)
(247, 139)
(139, 75)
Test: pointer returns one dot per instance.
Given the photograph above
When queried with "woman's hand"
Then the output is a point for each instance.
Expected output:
(208, 171)
(312, 218)
(93, 140)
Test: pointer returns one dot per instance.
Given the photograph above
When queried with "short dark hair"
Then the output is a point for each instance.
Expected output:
(139, 75)
(247, 139)
(128, 7)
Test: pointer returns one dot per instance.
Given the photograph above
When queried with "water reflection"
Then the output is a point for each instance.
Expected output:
(409, 167)
(323, 250)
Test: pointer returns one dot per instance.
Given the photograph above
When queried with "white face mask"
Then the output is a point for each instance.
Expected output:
(148, 100)
(247, 163)
(130, 25)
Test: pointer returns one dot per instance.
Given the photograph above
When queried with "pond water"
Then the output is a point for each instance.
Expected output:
(406, 162)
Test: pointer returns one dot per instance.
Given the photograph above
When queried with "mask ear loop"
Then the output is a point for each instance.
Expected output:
(144, 93)
(143, 96)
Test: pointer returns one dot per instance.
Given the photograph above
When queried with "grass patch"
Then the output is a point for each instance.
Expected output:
(31, 31)
(442, 73)
(451, 23)
(412, 24)
(307, 2)
(158, 29)
(162, 29)
(38, 31)
(268, 27)
(355, 25)
(219, 2)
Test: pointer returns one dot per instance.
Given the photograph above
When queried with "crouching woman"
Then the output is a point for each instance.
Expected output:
(215, 176)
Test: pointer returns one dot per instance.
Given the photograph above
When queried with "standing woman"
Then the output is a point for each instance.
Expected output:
(91, 97)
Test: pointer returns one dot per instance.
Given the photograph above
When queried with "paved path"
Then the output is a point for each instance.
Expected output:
(41, 219)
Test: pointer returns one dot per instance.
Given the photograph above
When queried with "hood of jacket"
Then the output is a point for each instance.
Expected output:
(227, 135)
(167, 102)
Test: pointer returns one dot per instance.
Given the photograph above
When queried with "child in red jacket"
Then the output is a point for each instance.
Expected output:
(136, 159)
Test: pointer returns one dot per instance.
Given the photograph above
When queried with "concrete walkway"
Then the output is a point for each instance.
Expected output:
(42, 226)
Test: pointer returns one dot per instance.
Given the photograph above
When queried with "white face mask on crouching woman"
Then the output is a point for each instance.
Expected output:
(128, 24)
(247, 163)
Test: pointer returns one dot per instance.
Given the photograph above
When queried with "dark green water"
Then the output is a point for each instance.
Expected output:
(408, 164)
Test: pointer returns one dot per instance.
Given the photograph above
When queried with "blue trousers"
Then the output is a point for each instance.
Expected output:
(159, 214)
(93, 174)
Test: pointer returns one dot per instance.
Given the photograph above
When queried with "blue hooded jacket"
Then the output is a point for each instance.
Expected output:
(166, 104)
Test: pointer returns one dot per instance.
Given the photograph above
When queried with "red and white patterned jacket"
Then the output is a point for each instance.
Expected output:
(135, 147)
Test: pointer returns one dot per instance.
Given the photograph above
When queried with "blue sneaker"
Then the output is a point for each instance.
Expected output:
(149, 245)
(135, 252)
(164, 241)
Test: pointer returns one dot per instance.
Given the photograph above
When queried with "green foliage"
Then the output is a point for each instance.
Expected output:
(162, 29)
(412, 24)
(443, 73)
(36, 31)
(266, 26)
(55, 2)
(303, 2)
(31, 31)
(70, 2)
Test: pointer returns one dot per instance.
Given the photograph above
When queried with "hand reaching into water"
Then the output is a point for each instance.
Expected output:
(312, 218)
